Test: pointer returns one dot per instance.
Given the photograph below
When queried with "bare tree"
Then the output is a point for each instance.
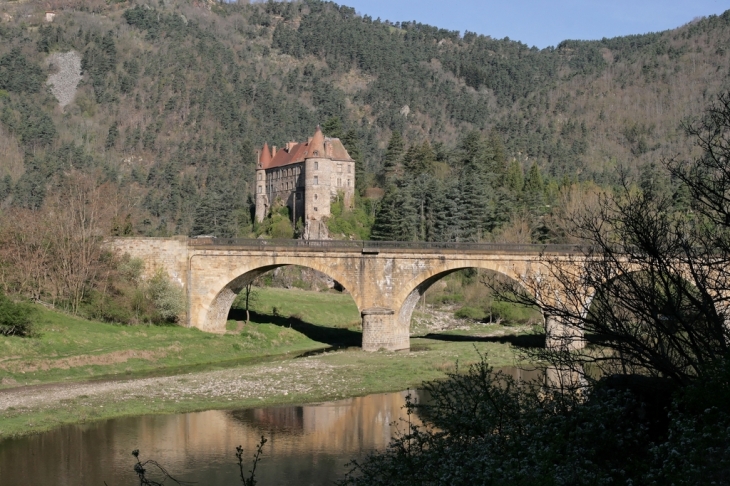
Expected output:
(651, 292)
(81, 220)
(26, 253)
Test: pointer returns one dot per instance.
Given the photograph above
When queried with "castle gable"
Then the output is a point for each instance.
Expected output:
(335, 150)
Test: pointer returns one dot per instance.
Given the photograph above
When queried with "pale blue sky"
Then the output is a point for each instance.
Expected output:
(544, 22)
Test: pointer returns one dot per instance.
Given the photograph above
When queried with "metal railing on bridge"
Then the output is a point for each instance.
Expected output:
(378, 246)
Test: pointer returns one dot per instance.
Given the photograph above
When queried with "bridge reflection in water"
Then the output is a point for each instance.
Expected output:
(307, 444)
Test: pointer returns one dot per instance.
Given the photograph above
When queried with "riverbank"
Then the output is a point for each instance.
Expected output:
(197, 371)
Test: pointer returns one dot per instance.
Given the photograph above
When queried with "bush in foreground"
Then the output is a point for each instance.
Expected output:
(16, 319)
(484, 428)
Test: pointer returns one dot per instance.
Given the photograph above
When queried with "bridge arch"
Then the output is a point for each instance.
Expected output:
(408, 298)
(212, 306)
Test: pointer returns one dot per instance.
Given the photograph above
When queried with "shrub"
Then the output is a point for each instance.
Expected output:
(447, 299)
(510, 312)
(168, 298)
(16, 319)
(467, 312)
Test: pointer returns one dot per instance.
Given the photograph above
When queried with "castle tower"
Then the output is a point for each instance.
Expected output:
(262, 199)
(317, 192)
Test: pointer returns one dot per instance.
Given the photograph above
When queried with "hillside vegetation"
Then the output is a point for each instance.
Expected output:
(175, 96)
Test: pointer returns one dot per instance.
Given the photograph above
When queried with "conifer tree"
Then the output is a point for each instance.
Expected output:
(393, 156)
(419, 159)
(396, 218)
(475, 186)
(514, 179)
(352, 144)
(534, 189)
(333, 128)
(386, 220)
(112, 136)
(453, 228)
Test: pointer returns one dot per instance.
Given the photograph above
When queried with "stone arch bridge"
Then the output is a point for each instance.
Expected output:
(385, 279)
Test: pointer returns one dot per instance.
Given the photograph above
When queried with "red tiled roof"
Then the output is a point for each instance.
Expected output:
(330, 148)
(265, 157)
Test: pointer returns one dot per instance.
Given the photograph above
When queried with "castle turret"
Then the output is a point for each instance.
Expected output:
(262, 199)
(318, 172)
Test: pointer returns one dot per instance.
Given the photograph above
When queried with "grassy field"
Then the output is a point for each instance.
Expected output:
(71, 348)
(284, 324)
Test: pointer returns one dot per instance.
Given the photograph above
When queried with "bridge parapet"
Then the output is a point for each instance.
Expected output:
(383, 246)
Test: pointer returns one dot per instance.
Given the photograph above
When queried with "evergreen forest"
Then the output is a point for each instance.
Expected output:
(457, 136)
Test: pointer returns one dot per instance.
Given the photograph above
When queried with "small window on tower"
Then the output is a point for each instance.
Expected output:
(260, 190)
(316, 164)
(316, 180)
(348, 182)
(259, 177)
(348, 168)
(316, 197)
(316, 209)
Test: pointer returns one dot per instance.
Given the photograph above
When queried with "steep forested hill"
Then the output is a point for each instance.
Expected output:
(176, 95)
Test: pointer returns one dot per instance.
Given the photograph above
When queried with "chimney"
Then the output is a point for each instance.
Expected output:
(273, 150)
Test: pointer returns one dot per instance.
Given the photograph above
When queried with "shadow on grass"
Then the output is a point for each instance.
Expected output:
(520, 341)
(333, 336)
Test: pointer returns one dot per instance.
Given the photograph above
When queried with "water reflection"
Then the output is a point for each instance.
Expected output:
(307, 444)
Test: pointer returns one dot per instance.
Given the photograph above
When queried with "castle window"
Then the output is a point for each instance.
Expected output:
(260, 189)
(348, 168)
(348, 182)
(316, 197)
(316, 209)
(316, 180)
(259, 177)
(339, 167)
(316, 164)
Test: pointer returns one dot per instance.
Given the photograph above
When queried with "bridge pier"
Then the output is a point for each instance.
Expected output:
(562, 336)
(380, 330)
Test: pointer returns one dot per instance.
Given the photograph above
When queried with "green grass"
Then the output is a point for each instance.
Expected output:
(74, 349)
(330, 309)
(71, 348)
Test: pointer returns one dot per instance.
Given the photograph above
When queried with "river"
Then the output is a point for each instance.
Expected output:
(307, 445)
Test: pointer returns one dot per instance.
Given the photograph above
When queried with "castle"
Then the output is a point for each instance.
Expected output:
(305, 177)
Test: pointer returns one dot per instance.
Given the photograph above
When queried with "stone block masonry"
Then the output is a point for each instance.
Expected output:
(385, 283)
